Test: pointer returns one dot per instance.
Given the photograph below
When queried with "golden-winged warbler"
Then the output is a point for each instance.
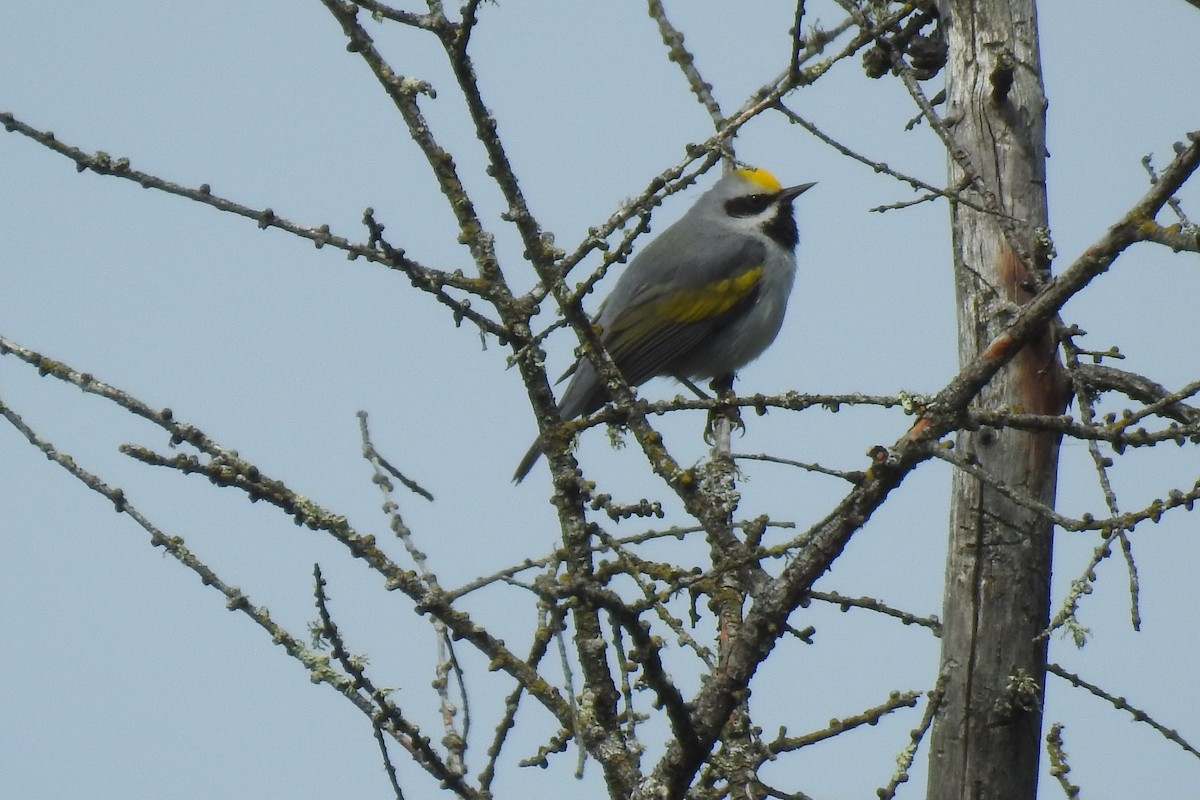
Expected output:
(702, 299)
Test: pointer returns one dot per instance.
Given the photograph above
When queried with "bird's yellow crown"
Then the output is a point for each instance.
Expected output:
(760, 178)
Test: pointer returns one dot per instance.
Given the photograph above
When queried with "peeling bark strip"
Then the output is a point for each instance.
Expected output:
(986, 738)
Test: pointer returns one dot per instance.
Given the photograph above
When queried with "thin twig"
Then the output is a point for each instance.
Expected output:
(904, 760)
(879, 166)
(871, 604)
(1120, 703)
(871, 716)
(676, 52)
(1059, 768)
(427, 279)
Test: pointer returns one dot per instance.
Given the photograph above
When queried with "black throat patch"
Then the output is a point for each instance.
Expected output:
(782, 227)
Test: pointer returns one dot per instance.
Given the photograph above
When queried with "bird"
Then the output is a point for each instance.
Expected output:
(703, 299)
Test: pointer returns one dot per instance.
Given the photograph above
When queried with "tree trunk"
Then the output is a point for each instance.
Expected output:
(986, 738)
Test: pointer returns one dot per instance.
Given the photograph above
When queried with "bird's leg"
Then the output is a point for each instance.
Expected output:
(703, 395)
(722, 410)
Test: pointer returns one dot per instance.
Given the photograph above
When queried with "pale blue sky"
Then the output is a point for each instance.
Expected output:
(125, 678)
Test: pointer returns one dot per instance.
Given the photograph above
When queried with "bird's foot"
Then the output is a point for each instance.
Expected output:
(723, 411)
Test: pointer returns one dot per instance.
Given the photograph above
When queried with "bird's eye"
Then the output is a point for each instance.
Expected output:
(748, 205)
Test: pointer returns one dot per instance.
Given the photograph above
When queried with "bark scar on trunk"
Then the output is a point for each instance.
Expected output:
(1038, 374)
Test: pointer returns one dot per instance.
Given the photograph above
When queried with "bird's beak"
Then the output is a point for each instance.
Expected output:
(792, 192)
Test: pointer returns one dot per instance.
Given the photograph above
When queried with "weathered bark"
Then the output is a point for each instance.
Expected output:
(986, 739)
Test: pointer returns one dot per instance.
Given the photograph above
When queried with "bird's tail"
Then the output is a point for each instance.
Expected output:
(531, 457)
(584, 394)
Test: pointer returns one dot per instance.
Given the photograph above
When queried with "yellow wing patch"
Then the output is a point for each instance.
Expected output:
(706, 302)
(760, 178)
